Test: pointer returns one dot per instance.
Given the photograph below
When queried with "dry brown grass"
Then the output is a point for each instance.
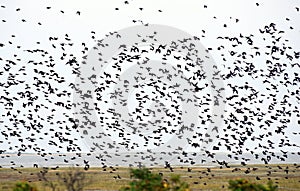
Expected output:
(199, 178)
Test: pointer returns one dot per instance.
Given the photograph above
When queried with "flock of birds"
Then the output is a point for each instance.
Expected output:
(262, 99)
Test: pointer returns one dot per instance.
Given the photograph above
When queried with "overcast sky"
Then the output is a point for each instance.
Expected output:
(191, 16)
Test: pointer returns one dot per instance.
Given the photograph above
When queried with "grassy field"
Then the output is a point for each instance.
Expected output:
(287, 177)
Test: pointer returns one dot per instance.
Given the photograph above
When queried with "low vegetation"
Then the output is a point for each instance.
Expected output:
(24, 186)
(118, 178)
(245, 185)
(144, 180)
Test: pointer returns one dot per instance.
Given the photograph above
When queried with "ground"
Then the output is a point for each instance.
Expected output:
(286, 176)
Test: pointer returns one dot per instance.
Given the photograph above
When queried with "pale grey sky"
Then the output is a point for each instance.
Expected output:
(101, 17)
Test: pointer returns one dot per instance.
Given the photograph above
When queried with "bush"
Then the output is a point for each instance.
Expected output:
(24, 186)
(73, 179)
(245, 185)
(144, 180)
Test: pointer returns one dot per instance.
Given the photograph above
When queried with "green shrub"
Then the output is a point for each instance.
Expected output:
(144, 180)
(245, 185)
(24, 186)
